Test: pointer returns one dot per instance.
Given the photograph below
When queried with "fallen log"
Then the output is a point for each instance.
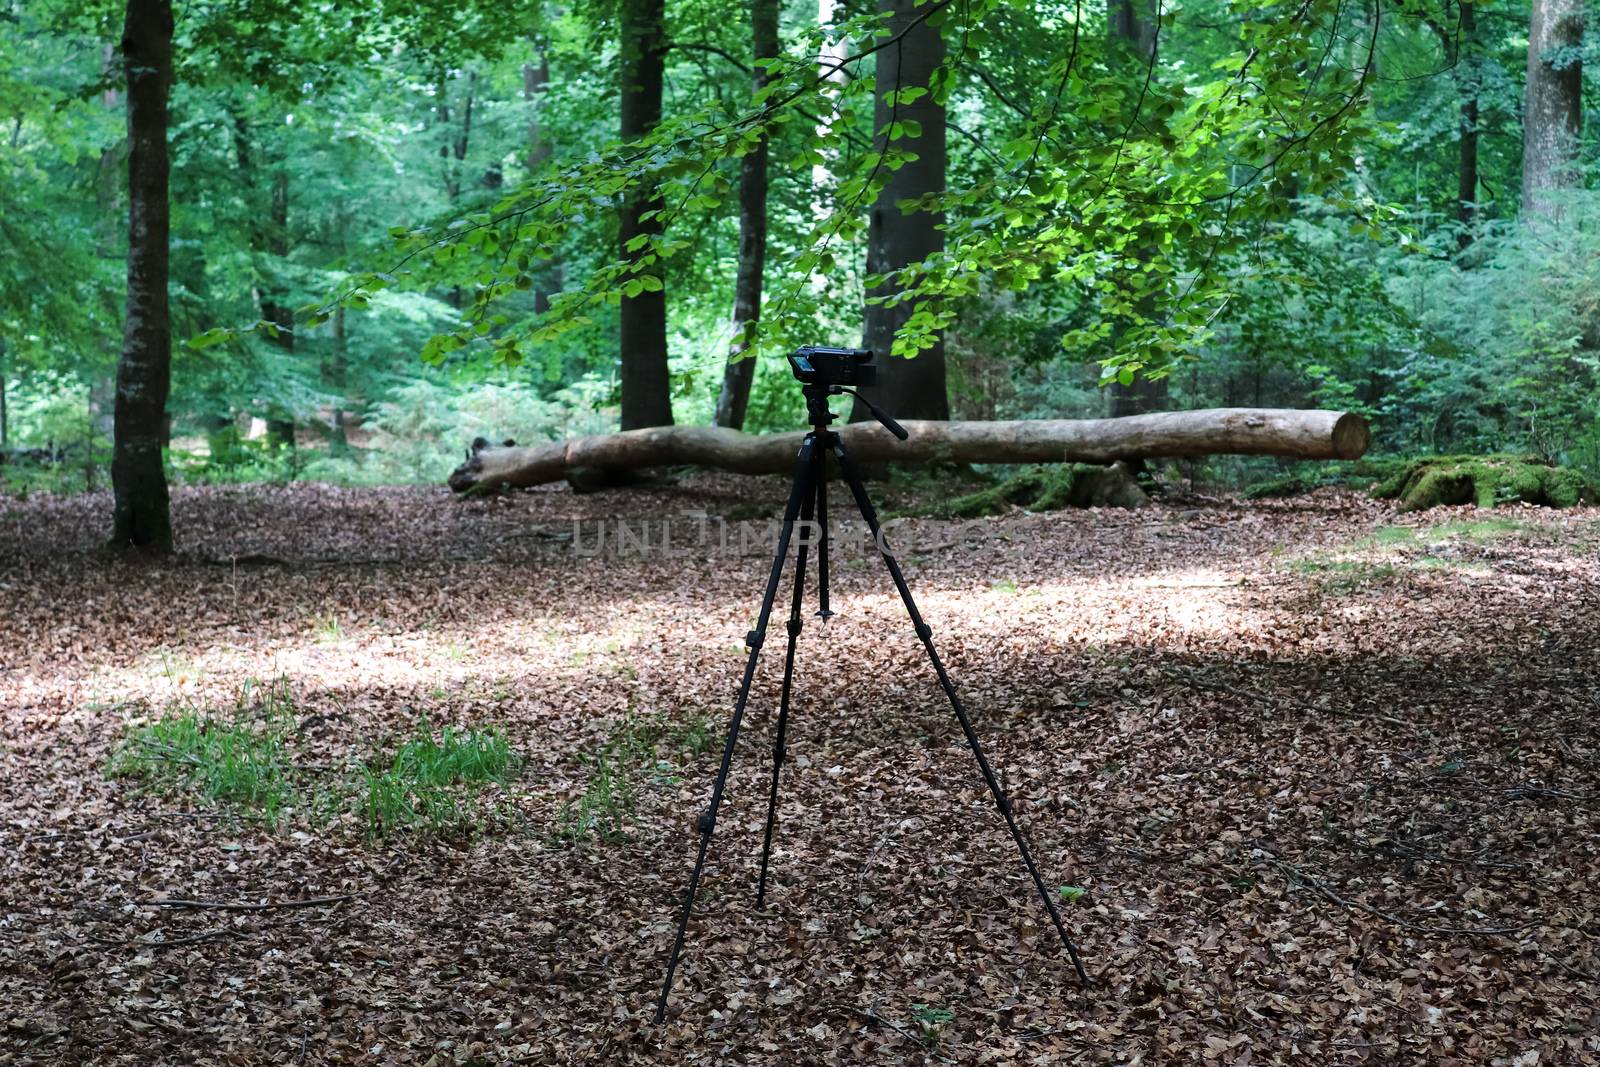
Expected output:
(1169, 434)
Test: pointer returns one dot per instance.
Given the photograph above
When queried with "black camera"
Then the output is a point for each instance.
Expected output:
(816, 365)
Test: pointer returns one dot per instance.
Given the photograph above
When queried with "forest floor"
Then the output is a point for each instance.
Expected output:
(1320, 784)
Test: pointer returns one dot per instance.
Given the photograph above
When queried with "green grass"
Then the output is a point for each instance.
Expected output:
(233, 763)
(930, 1021)
(1404, 550)
(639, 753)
(1479, 530)
(244, 761)
(239, 761)
(1338, 577)
(417, 788)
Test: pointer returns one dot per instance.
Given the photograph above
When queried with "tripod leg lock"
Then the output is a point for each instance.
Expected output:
(777, 754)
(753, 639)
(706, 823)
(924, 631)
(794, 627)
(1003, 802)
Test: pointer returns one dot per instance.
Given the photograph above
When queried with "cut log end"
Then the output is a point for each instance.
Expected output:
(1351, 437)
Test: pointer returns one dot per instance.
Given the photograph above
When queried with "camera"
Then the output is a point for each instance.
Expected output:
(817, 365)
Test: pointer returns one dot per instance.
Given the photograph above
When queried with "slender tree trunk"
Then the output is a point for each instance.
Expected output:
(276, 308)
(5, 419)
(908, 388)
(535, 88)
(1552, 115)
(141, 517)
(741, 369)
(110, 181)
(457, 138)
(1462, 41)
(1469, 76)
(269, 236)
(334, 377)
(646, 388)
(1132, 28)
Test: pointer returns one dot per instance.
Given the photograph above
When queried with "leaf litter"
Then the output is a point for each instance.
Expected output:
(1315, 783)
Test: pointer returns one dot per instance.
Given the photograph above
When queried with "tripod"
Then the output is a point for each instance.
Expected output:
(808, 503)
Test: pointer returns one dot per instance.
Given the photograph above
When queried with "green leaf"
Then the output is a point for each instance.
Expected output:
(214, 336)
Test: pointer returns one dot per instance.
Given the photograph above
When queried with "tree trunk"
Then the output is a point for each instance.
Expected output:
(141, 518)
(1552, 114)
(276, 308)
(646, 388)
(334, 377)
(269, 236)
(5, 415)
(1215, 431)
(1131, 25)
(535, 87)
(1469, 74)
(453, 150)
(907, 388)
(741, 368)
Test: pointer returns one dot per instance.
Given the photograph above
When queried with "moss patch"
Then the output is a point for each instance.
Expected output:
(1055, 486)
(1484, 481)
(1304, 477)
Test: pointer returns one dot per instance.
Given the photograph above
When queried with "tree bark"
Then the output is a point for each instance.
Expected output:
(1552, 115)
(646, 388)
(269, 236)
(453, 151)
(1131, 25)
(1215, 431)
(5, 415)
(141, 517)
(740, 371)
(535, 87)
(335, 376)
(276, 308)
(1468, 77)
(907, 388)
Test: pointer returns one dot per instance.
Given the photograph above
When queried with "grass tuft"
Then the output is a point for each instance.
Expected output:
(639, 753)
(238, 760)
(244, 761)
(417, 786)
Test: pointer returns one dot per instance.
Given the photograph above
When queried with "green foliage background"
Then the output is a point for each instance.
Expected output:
(1265, 215)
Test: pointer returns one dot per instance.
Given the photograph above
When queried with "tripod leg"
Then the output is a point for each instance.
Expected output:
(806, 512)
(853, 480)
(753, 640)
(823, 611)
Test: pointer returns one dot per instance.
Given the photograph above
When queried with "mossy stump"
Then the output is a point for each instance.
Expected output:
(1056, 486)
(1484, 481)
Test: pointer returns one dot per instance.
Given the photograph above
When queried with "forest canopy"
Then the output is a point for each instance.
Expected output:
(396, 228)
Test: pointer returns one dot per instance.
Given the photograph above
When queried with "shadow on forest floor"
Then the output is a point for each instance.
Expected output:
(1327, 778)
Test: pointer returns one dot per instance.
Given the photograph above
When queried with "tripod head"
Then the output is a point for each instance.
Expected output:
(826, 372)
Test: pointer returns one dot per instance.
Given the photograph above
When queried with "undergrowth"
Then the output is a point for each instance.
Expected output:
(1040, 487)
(418, 786)
(244, 761)
(1486, 481)
(1431, 481)
(639, 753)
(239, 761)
(1404, 551)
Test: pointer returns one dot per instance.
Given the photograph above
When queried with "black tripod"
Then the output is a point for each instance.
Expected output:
(808, 502)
